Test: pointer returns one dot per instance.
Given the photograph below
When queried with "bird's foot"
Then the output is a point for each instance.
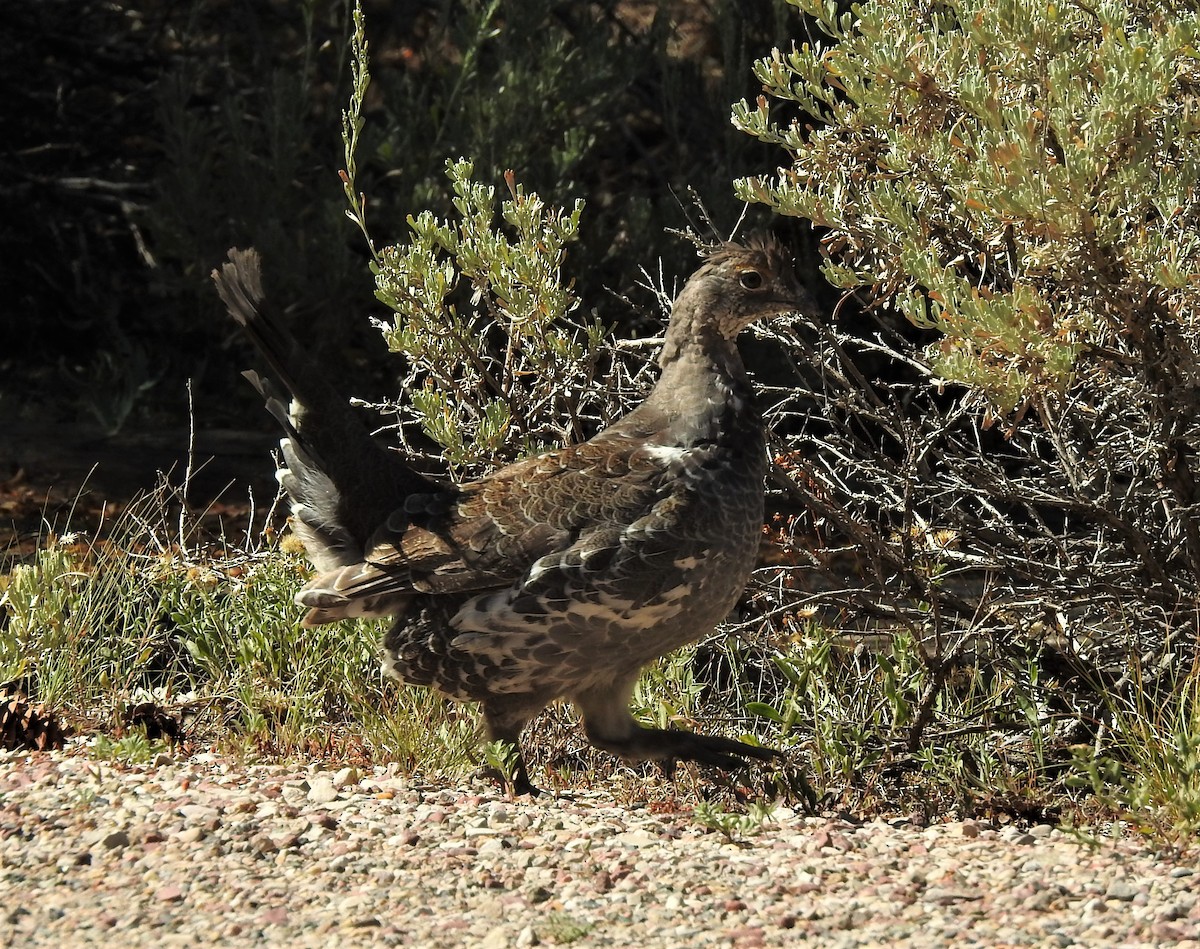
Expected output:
(669, 746)
(515, 783)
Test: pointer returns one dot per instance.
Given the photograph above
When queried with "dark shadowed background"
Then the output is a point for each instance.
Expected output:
(140, 140)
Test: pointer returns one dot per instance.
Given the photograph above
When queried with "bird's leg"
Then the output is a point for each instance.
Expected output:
(505, 723)
(611, 727)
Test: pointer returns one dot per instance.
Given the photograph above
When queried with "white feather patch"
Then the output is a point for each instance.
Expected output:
(665, 454)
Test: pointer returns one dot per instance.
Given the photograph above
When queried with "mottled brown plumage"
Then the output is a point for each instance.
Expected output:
(559, 576)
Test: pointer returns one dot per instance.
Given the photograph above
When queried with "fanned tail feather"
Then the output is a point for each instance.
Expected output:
(341, 484)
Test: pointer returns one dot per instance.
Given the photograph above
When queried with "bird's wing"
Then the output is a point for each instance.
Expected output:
(490, 532)
(608, 600)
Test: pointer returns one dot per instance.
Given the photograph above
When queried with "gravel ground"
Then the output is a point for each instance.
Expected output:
(210, 851)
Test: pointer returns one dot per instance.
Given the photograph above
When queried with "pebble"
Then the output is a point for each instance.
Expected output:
(322, 790)
(117, 840)
(1121, 889)
(206, 850)
(168, 894)
(496, 939)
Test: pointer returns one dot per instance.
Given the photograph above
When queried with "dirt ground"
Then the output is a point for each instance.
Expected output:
(56, 477)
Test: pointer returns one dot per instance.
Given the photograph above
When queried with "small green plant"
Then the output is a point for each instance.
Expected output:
(482, 313)
(858, 714)
(502, 758)
(420, 728)
(501, 359)
(668, 691)
(38, 597)
(564, 929)
(483, 322)
(90, 627)
(734, 827)
(353, 122)
(132, 748)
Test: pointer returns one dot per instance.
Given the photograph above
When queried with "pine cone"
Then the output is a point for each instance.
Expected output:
(23, 725)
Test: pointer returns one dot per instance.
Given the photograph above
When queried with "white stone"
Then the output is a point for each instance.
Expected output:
(322, 790)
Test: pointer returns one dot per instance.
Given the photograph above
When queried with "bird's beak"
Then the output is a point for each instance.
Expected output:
(800, 302)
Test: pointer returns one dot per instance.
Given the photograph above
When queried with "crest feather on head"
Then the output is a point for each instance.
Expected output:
(776, 257)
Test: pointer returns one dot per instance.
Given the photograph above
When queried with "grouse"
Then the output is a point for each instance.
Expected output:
(558, 576)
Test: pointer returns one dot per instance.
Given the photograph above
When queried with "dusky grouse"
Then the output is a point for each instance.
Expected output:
(561, 575)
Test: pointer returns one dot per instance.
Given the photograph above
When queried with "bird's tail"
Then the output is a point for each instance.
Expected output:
(341, 484)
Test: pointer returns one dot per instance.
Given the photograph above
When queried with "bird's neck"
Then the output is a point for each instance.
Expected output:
(703, 392)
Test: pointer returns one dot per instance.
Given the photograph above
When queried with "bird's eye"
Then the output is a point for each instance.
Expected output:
(751, 280)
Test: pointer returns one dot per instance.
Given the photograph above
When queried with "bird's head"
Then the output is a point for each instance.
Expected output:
(736, 285)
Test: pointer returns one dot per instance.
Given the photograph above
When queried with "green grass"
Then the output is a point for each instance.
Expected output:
(206, 633)
(1149, 769)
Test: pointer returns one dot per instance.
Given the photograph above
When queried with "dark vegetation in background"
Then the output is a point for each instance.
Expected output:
(143, 139)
